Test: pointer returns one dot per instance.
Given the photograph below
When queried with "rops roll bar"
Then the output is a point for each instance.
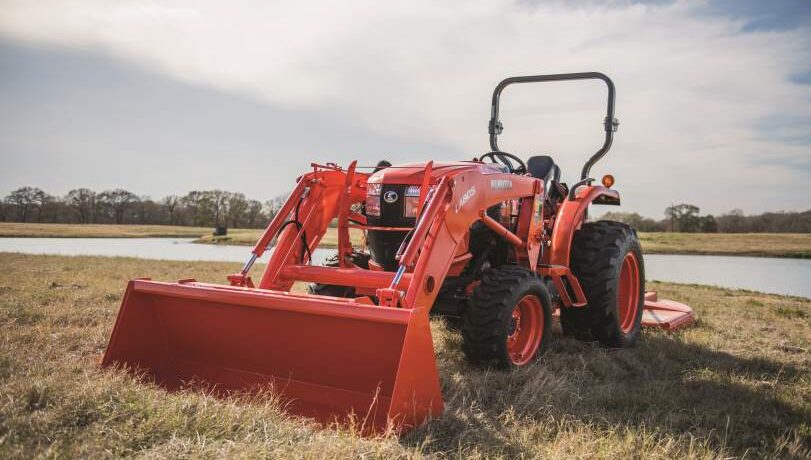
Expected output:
(610, 123)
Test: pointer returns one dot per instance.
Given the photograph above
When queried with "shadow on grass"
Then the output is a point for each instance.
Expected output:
(663, 386)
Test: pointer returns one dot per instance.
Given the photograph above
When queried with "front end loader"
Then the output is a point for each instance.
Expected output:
(500, 245)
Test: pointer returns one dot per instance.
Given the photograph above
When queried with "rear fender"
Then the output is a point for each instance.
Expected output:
(570, 217)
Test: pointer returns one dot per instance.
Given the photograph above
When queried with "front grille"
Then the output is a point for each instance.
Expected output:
(391, 214)
(383, 244)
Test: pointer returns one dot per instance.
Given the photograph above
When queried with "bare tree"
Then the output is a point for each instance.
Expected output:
(147, 211)
(25, 200)
(193, 204)
(254, 213)
(218, 201)
(171, 203)
(83, 200)
(274, 204)
(733, 222)
(4, 210)
(118, 200)
(237, 205)
(43, 201)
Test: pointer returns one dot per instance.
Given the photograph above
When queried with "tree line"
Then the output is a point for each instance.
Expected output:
(218, 208)
(687, 218)
(203, 208)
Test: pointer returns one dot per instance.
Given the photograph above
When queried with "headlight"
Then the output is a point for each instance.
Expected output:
(412, 201)
(373, 200)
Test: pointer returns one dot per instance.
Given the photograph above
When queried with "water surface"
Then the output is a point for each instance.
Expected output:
(763, 274)
(772, 275)
(142, 248)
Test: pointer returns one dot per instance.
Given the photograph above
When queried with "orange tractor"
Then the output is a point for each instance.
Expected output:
(498, 243)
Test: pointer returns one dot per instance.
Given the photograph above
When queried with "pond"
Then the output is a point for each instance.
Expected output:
(143, 248)
(763, 274)
(772, 275)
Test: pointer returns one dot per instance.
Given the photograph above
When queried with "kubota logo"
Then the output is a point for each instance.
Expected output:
(465, 198)
(390, 197)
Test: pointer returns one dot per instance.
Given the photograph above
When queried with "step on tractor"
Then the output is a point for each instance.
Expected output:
(499, 245)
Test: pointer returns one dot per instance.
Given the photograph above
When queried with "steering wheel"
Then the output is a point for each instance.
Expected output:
(504, 158)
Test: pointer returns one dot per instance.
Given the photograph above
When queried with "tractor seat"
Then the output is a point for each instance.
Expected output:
(540, 166)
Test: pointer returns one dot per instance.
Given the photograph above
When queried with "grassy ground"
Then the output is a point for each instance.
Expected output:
(738, 384)
(729, 244)
(12, 229)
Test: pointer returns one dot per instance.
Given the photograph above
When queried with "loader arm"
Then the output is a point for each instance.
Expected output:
(330, 358)
(334, 359)
(452, 204)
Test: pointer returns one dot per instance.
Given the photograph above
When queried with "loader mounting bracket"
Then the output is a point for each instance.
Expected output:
(240, 279)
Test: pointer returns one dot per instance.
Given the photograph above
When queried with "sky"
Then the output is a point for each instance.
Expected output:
(161, 97)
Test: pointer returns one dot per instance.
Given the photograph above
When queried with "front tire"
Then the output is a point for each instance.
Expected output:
(509, 318)
(607, 260)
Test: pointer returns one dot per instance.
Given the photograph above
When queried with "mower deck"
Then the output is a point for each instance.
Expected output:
(666, 314)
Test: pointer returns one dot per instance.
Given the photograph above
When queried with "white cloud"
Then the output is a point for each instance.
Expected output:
(692, 89)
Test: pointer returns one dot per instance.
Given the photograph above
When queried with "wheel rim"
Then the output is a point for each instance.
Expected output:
(526, 330)
(628, 298)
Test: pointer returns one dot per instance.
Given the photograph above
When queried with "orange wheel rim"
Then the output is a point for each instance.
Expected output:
(526, 330)
(628, 297)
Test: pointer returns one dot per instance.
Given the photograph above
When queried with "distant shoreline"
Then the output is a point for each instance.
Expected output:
(782, 245)
(34, 230)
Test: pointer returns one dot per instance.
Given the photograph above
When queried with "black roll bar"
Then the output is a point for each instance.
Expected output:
(610, 123)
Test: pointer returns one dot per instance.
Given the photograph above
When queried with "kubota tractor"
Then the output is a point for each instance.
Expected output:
(497, 242)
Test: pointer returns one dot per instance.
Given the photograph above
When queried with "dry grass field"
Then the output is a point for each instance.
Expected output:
(744, 244)
(29, 230)
(795, 245)
(737, 385)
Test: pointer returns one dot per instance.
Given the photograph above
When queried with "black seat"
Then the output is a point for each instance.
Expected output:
(540, 166)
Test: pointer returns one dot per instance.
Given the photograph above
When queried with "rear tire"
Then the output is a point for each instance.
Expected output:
(508, 321)
(607, 260)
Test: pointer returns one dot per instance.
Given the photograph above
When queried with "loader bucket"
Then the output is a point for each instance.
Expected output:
(328, 358)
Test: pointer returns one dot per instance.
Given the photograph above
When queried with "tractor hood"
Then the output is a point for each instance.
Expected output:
(413, 173)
